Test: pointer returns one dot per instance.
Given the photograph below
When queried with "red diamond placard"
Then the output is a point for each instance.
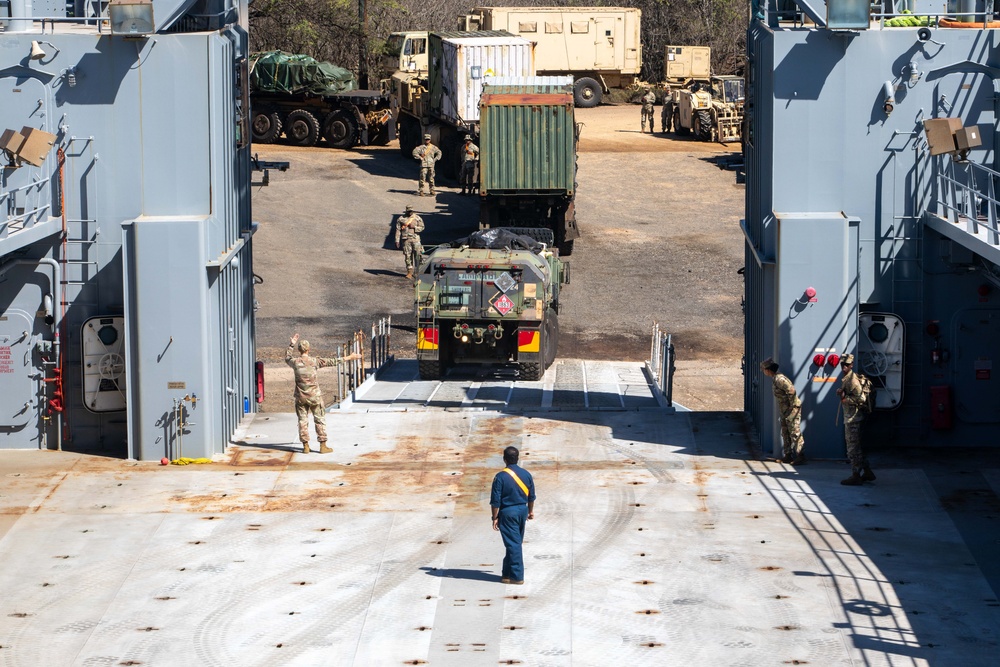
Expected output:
(503, 305)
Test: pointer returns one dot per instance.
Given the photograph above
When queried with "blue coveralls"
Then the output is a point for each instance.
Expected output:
(509, 498)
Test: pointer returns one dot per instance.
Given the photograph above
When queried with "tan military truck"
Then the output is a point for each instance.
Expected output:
(710, 107)
(598, 46)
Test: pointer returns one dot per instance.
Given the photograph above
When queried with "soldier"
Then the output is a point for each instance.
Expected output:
(852, 399)
(308, 397)
(408, 228)
(428, 154)
(648, 100)
(667, 112)
(789, 411)
(470, 156)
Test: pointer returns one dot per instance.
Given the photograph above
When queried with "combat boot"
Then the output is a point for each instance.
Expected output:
(305, 448)
(462, 192)
(799, 460)
(853, 480)
(409, 274)
(323, 449)
(867, 474)
(787, 458)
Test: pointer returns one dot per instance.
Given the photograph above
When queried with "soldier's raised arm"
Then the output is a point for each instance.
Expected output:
(290, 352)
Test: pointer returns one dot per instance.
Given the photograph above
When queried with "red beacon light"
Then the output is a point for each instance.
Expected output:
(833, 360)
(819, 359)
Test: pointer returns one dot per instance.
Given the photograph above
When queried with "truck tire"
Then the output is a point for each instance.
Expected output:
(703, 125)
(266, 126)
(302, 128)
(678, 128)
(540, 234)
(587, 92)
(550, 339)
(341, 131)
(409, 135)
(529, 372)
(430, 369)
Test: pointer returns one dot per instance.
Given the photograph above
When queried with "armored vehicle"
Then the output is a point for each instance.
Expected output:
(307, 100)
(599, 47)
(492, 298)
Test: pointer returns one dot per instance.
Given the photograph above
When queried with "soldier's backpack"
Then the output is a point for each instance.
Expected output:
(868, 392)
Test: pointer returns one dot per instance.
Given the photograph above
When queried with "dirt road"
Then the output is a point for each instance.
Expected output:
(661, 243)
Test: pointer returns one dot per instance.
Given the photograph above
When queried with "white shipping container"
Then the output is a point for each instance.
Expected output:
(465, 61)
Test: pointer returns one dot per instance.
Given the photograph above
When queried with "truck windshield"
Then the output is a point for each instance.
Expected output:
(733, 90)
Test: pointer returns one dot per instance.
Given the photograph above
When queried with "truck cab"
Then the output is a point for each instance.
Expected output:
(406, 52)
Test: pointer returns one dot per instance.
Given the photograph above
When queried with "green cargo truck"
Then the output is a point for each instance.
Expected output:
(527, 160)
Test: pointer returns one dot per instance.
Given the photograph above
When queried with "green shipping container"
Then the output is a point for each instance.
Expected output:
(527, 139)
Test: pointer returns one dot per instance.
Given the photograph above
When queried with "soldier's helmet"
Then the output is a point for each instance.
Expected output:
(303, 346)
(847, 360)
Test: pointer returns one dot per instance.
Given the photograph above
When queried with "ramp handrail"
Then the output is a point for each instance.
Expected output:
(661, 363)
(374, 355)
(967, 195)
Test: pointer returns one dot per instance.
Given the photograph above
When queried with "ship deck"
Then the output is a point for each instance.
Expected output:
(658, 538)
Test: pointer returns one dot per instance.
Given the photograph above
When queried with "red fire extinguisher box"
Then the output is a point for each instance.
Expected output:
(941, 412)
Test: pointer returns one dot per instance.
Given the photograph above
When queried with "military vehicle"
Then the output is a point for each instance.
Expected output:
(527, 166)
(709, 106)
(599, 47)
(443, 101)
(492, 298)
(307, 100)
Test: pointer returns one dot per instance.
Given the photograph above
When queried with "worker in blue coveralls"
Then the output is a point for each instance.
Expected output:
(512, 502)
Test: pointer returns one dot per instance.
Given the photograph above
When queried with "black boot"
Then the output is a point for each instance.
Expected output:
(867, 474)
(853, 480)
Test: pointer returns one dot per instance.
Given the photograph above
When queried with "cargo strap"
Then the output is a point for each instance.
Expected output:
(519, 482)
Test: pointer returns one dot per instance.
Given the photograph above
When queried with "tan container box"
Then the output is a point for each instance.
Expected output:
(37, 144)
(941, 134)
(968, 137)
(11, 141)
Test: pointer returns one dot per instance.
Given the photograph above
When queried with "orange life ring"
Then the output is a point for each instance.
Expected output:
(951, 23)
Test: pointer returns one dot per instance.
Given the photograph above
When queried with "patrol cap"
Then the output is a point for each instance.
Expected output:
(767, 364)
(303, 346)
(409, 209)
(426, 137)
(847, 360)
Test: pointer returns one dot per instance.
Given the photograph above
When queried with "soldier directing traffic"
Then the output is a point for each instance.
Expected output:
(512, 503)
(308, 397)
(648, 100)
(408, 228)
(428, 154)
(470, 157)
(789, 413)
(852, 398)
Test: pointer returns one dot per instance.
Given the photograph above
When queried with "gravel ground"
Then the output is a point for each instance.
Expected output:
(660, 243)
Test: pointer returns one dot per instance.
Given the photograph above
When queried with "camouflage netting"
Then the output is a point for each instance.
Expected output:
(280, 72)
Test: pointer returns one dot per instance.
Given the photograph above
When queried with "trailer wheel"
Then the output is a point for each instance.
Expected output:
(341, 130)
(430, 369)
(703, 125)
(302, 128)
(587, 93)
(530, 372)
(266, 126)
(566, 248)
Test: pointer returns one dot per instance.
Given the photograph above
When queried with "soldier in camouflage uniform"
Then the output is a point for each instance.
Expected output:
(852, 399)
(408, 228)
(308, 397)
(470, 156)
(428, 154)
(648, 100)
(789, 411)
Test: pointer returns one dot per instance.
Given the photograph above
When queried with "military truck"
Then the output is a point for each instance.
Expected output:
(599, 47)
(527, 159)
(306, 100)
(443, 101)
(709, 106)
(492, 298)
